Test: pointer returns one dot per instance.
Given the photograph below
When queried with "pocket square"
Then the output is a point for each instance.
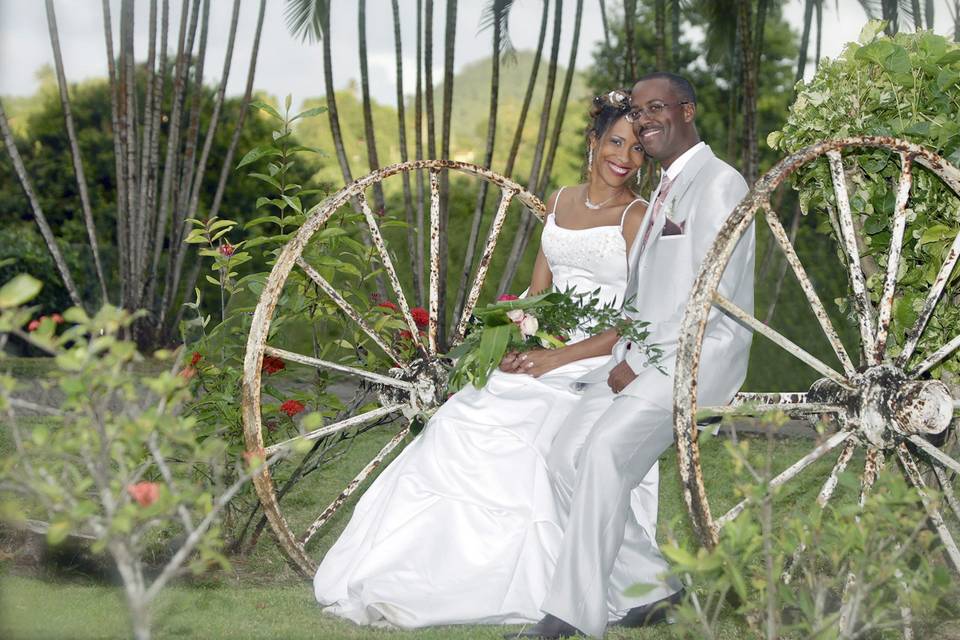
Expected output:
(671, 228)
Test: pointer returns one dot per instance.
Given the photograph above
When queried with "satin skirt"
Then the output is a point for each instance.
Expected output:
(463, 526)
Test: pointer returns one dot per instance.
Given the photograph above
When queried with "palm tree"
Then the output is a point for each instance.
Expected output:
(954, 10)
(660, 27)
(417, 255)
(675, 34)
(449, 40)
(603, 19)
(495, 16)
(630, 53)
(75, 147)
(526, 226)
(897, 12)
(368, 132)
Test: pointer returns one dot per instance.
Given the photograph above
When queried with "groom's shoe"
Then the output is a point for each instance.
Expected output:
(549, 628)
(650, 614)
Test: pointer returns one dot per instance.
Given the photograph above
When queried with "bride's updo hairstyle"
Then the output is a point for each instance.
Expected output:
(606, 109)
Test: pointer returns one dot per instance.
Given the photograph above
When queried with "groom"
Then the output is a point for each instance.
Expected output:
(624, 421)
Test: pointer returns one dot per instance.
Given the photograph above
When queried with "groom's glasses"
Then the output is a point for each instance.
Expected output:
(653, 110)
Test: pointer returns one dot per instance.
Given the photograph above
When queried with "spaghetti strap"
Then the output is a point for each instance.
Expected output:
(555, 202)
(627, 208)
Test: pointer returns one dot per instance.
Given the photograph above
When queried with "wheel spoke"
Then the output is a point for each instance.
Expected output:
(752, 404)
(933, 513)
(334, 366)
(780, 340)
(332, 508)
(780, 234)
(789, 473)
(913, 335)
(349, 310)
(434, 259)
(336, 427)
(934, 358)
(381, 246)
(861, 298)
(935, 453)
(484, 266)
(893, 257)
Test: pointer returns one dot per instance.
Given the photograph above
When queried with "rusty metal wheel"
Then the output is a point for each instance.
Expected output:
(882, 404)
(412, 384)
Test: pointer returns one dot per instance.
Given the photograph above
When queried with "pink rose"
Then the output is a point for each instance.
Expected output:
(529, 326)
(507, 297)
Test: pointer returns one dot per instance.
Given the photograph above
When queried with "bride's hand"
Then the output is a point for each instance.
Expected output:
(510, 362)
(537, 362)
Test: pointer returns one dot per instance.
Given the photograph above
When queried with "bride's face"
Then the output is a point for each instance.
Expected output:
(618, 154)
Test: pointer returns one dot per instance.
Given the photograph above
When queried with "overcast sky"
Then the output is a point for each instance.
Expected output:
(287, 65)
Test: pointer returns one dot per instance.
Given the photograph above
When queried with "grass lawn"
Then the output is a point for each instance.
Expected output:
(261, 597)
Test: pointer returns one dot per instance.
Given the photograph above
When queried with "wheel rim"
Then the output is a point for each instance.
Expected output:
(412, 387)
(885, 406)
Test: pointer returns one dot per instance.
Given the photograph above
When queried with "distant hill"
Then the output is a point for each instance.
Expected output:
(471, 105)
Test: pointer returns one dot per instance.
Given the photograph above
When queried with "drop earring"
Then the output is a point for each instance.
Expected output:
(590, 160)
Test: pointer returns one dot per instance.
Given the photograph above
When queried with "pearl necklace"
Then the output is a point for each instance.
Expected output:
(594, 206)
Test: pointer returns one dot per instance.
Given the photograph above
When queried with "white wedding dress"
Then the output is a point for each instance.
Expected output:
(462, 527)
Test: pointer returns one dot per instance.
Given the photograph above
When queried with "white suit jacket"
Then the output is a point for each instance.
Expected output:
(661, 279)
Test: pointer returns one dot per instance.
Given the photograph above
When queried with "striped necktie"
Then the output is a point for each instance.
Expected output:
(665, 184)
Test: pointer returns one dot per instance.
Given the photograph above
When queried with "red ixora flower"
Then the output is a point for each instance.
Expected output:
(227, 249)
(57, 318)
(386, 304)
(506, 297)
(292, 407)
(420, 316)
(35, 324)
(195, 358)
(145, 493)
(403, 334)
(273, 364)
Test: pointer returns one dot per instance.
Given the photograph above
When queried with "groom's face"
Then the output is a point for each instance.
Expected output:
(665, 126)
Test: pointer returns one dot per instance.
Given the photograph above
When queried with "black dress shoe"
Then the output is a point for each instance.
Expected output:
(650, 614)
(549, 628)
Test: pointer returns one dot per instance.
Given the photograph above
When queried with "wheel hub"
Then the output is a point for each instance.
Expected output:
(884, 406)
(429, 379)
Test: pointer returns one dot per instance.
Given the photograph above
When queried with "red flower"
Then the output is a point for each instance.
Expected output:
(195, 359)
(187, 372)
(34, 324)
(420, 316)
(507, 297)
(386, 304)
(272, 364)
(57, 318)
(403, 334)
(292, 407)
(145, 493)
(227, 249)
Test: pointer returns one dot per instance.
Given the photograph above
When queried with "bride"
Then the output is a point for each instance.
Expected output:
(462, 527)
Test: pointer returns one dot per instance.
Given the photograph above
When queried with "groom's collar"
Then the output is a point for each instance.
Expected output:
(677, 165)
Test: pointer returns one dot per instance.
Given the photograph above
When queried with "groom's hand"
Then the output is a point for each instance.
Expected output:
(620, 376)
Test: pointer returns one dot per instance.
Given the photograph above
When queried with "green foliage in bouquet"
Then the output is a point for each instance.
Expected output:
(544, 321)
(906, 86)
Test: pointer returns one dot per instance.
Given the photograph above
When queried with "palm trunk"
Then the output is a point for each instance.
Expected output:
(736, 83)
(333, 115)
(603, 19)
(368, 131)
(412, 237)
(128, 127)
(449, 40)
(629, 54)
(75, 149)
(917, 15)
(11, 146)
(418, 154)
(123, 254)
(468, 257)
(804, 41)
(178, 249)
(528, 96)
(675, 34)
(928, 13)
(152, 178)
(660, 25)
(428, 79)
(526, 225)
(146, 149)
(173, 141)
(749, 75)
(816, 55)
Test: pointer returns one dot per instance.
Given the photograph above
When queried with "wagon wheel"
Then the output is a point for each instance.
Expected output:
(886, 406)
(411, 385)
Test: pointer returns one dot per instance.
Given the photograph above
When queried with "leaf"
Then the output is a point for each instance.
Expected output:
(256, 153)
(213, 281)
(19, 290)
(57, 532)
(260, 105)
(274, 219)
(949, 58)
(269, 180)
(309, 113)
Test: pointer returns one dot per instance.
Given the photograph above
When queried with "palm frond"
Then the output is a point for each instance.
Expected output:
(497, 15)
(305, 18)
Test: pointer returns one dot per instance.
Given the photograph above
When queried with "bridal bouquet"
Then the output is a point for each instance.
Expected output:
(542, 321)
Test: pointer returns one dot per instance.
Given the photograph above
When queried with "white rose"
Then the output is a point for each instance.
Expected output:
(516, 315)
(529, 326)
